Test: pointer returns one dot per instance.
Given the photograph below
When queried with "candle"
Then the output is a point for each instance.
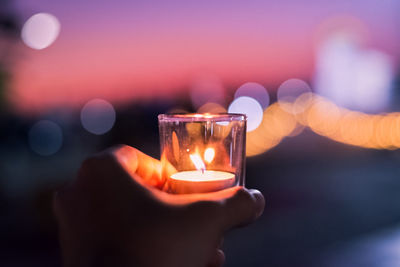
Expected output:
(202, 152)
(198, 181)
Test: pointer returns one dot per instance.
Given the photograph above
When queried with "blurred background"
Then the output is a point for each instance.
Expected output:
(319, 81)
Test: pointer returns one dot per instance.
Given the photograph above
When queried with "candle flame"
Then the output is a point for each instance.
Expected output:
(209, 154)
(198, 163)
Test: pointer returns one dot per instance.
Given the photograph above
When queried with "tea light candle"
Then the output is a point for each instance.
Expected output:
(187, 182)
(205, 151)
(200, 180)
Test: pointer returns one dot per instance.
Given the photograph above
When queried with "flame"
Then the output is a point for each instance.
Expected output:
(209, 154)
(198, 163)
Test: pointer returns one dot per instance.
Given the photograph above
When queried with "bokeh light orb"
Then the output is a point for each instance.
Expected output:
(250, 107)
(207, 88)
(373, 80)
(289, 91)
(98, 116)
(256, 91)
(353, 76)
(45, 137)
(275, 126)
(211, 108)
(177, 110)
(323, 117)
(40, 31)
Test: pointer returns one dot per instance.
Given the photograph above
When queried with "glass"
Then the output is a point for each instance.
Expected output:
(202, 152)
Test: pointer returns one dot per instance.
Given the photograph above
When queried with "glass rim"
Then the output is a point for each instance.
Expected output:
(188, 117)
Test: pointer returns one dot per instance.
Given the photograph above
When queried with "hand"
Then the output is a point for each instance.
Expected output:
(113, 214)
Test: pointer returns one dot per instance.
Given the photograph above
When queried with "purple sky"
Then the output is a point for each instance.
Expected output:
(126, 46)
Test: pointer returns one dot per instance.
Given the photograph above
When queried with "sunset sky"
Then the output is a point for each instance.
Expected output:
(127, 50)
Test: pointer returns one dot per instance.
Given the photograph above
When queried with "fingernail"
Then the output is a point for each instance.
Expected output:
(260, 201)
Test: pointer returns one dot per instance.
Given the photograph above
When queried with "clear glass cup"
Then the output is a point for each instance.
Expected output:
(202, 152)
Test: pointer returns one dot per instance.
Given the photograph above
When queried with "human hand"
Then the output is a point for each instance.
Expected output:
(114, 214)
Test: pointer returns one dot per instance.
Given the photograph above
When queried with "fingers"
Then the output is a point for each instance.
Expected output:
(139, 164)
(132, 161)
(231, 207)
(114, 170)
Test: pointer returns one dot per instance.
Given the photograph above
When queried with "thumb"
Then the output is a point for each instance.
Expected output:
(242, 208)
(232, 207)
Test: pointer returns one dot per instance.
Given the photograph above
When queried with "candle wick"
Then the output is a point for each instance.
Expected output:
(203, 170)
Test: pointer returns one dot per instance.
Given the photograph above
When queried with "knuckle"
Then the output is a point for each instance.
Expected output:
(247, 203)
(124, 148)
(244, 195)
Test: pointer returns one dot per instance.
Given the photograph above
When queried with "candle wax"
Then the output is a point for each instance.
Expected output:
(187, 182)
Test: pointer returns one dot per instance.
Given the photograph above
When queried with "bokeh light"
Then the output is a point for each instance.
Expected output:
(289, 91)
(256, 91)
(374, 75)
(177, 110)
(40, 31)
(250, 107)
(323, 117)
(276, 125)
(207, 88)
(98, 116)
(301, 106)
(211, 108)
(45, 137)
(377, 131)
(352, 76)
